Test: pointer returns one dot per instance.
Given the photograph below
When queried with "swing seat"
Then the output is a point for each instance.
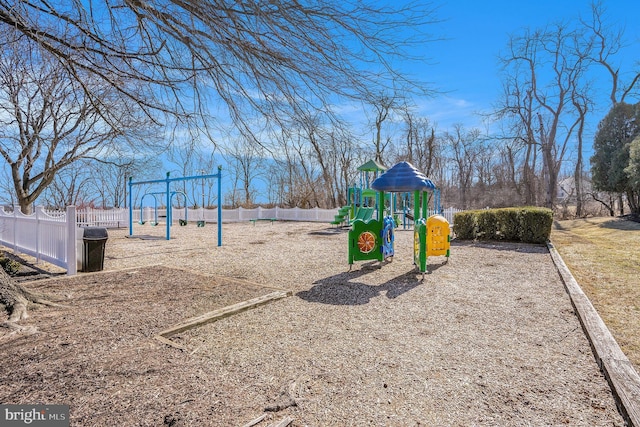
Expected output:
(182, 222)
(201, 223)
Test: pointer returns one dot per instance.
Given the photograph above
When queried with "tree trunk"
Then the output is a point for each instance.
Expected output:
(609, 206)
(16, 299)
(529, 167)
(620, 204)
(13, 298)
(577, 177)
(633, 198)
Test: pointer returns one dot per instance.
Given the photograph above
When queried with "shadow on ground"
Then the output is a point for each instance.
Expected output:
(630, 222)
(533, 248)
(348, 288)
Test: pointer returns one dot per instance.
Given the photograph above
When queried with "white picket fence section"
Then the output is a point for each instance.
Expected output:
(242, 214)
(47, 237)
(110, 218)
(236, 215)
(53, 236)
(447, 213)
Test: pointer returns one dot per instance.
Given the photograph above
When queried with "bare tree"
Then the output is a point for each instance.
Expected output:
(332, 149)
(183, 158)
(514, 167)
(253, 56)
(543, 106)
(421, 143)
(485, 167)
(549, 94)
(47, 122)
(464, 147)
(110, 175)
(606, 43)
(581, 105)
(247, 164)
(208, 163)
(384, 105)
(518, 109)
(71, 186)
(299, 181)
(344, 155)
(7, 195)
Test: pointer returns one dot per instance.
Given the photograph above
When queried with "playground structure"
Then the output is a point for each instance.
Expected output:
(169, 198)
(361, 196)
(364, 195)
(373, 239)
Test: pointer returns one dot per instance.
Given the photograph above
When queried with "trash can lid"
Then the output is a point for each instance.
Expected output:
(95, 233)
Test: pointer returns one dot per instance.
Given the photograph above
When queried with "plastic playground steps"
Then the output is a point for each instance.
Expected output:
(342, 217)
(363, 214)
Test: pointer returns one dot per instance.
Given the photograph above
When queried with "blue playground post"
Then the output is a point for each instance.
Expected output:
(168, 180)
(168, 207)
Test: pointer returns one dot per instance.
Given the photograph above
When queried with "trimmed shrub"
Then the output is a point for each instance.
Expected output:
(526, 224)
(464, 226)
(535, 225)
(507, 224)
(487, 225)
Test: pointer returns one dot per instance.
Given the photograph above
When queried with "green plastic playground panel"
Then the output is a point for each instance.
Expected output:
(420, 245)
(365, 240)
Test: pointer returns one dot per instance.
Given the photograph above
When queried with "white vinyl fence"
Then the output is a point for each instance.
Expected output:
(110, 218)
(47, 237)
(52, 236)
(242, 214)
(236, 215)
(447, 213)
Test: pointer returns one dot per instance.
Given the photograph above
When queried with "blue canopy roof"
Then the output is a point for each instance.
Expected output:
(403, 177)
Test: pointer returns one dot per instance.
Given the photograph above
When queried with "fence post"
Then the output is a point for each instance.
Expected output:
(72, 263)
(16, 208)
(39, 210)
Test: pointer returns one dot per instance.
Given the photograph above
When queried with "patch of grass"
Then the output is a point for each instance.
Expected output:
(9, 265)
(604, 257)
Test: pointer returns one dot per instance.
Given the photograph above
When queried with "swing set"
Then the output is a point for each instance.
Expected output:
(155, 208)
(169, 198)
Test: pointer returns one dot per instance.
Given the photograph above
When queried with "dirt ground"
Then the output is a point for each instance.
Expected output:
(488, 338)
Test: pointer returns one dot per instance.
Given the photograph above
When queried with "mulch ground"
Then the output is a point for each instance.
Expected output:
(488, 338)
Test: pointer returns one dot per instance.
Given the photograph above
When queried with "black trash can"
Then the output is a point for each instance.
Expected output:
(94, 241)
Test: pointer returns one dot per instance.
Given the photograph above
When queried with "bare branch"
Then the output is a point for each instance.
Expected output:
(254, 57)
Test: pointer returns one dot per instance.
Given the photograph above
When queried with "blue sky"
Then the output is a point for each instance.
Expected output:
(465, 63)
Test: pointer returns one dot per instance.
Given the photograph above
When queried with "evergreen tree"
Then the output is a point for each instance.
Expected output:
(611, 145)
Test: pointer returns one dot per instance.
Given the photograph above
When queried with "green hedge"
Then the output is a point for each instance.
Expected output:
(526, 224)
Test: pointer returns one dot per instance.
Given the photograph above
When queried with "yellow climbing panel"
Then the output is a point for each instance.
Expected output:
(438, 236)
